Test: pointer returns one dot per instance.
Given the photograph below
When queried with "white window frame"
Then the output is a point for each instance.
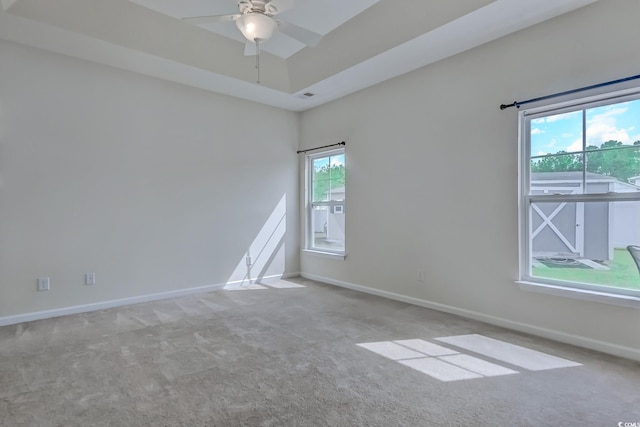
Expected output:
(310, 204)
(616, 296)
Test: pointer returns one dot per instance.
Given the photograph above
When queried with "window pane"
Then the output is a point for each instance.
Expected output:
(559, 133)
(613, 146)
(586, 242)
(557, 174)
(328, 180)
(613, 123)
(613, 169)
(327, 227)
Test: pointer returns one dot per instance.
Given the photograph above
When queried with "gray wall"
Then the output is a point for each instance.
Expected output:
(153, 186)
(427, 139)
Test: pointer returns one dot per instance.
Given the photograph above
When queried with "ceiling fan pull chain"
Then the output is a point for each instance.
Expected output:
(258, 59)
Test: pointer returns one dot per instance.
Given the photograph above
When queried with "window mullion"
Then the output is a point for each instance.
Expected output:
(584, 150)
(597, 197)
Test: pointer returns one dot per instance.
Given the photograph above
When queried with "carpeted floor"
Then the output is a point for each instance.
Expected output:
(289, 357)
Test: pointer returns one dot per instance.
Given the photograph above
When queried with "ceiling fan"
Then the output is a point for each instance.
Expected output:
(257, 23)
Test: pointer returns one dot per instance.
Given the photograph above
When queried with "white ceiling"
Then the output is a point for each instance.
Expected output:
(321, 17)
(365, 41)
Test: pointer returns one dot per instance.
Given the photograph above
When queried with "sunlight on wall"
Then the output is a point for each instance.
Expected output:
(267, 252)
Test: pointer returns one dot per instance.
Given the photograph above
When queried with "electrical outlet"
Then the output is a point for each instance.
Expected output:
(44, 284)
(420, 276)
(90, 279)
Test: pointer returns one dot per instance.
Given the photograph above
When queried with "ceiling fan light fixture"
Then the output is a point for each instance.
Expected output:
(255, 25)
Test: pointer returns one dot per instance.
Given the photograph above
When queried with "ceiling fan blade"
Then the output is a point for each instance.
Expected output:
(250, 49)
(302, 35)
(278, 6)
(211, 19)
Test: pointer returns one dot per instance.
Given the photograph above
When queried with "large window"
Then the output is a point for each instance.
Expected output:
(580, 194)
(326, 202)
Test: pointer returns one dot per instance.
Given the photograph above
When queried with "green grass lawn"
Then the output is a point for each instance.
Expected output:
(622, 273)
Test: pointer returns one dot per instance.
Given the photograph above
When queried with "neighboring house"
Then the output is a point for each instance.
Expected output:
(331, 220)
(336, 193)
(586, 230)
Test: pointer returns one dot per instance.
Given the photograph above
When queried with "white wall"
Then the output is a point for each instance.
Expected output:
(158, 187)
(153, 186)
(425, 139)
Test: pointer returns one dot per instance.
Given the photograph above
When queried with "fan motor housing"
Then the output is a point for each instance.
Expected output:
(259, 6)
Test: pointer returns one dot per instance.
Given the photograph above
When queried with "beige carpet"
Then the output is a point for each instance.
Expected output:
(284, 356)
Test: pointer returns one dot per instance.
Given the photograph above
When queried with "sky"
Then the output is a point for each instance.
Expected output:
(335, 161)
(620, 122)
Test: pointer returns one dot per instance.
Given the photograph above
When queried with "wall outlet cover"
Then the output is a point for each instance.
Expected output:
(44, 284)
(90, 279)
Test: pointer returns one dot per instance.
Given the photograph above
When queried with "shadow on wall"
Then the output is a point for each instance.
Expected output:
(265, 257)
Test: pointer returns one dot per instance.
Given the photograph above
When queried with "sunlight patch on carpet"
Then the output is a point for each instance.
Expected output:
(439, 370)
(446, 364)
(509, 353)
(391, 350)
(282, 284)
(270, 284)
(476, 365)
(426, 347)
(251, 287)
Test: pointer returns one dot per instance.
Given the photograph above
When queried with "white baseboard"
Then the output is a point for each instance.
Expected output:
(103, 305)
(263, 279)
(577, 340)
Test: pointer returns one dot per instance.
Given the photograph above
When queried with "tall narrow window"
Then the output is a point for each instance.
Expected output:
(580, 191)
(326, 202)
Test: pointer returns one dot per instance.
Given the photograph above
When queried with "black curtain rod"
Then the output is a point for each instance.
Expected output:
(517, 104)
(324, 146)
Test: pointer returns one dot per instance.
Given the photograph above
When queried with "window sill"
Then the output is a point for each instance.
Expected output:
(582, 294)
(331, 255)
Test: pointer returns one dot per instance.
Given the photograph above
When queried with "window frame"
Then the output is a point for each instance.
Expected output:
(526, 280)
(310, 204)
